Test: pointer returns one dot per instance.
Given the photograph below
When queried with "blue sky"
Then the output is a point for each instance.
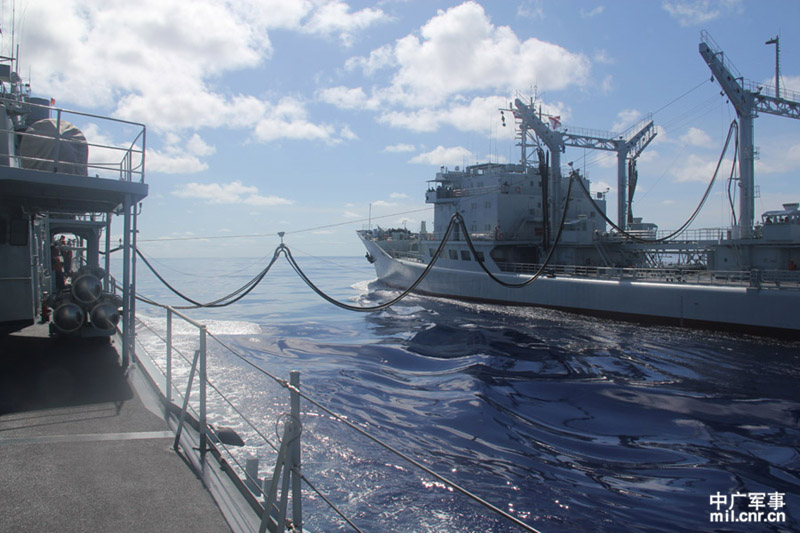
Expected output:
(267, 115)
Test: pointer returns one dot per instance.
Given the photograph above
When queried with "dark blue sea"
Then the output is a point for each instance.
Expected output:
(568, 423)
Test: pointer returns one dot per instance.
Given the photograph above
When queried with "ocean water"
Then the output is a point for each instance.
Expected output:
(568, 423)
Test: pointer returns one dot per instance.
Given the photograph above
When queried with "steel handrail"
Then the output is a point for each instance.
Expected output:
(274, 514)
(126, 166)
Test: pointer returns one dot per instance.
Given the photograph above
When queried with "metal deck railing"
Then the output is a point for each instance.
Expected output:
(765, 279)
(116, 148)
(185, 378)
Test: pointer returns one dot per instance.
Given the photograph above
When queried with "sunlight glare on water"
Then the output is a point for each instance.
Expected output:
(566, 422)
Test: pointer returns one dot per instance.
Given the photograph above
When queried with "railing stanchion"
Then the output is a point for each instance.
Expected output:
(202, 385)
(186, 401)
(58, 140)
(297, 500)
(168, 392)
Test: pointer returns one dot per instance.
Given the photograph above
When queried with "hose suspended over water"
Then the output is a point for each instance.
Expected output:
(734, 127)
(243, 291)
(455, 221)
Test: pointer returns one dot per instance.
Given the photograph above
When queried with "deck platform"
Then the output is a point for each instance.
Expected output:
(82, 447)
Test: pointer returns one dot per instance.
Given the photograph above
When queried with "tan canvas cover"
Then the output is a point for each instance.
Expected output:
(38, 148)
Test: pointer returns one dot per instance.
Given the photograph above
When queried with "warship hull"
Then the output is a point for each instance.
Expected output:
(762, 309)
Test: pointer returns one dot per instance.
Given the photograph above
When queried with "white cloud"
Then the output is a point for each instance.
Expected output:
(378, 59)
(288, 120)
(398, 148)
(351, 214)
(697, 137)
(698, 12)
(590, 13)
(173, 163)
(625, 118)
(788, 83)
(179, 157)
(228, 193)
(791, 83)
(440, 70)
(478, 115)
(159, 61)
(778, 159)
(259, 200)
(531, 9)
(347, 134)
(346, 98)
(460, 50)
(197, 146)
(334, 17)
(601, 56)
(696, 168)
(440, 155)
(398, 196)
(607, 85)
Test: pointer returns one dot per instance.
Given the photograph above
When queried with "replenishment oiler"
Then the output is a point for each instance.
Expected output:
(532, 233)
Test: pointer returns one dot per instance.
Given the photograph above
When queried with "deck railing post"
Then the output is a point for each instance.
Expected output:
(168, 392)
(297, 500)
(202, 385)
(58, 140)
(185, 407)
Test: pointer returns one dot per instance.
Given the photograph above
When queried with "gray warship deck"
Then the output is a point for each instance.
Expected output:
(82, 447)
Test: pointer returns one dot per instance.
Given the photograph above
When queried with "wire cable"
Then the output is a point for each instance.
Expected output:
(734, 127)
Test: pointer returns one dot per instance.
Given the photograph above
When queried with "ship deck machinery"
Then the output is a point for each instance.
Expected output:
(52, 181)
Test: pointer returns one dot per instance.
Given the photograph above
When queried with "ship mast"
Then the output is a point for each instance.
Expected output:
(747, 98)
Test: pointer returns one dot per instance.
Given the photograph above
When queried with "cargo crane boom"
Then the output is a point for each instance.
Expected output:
(628, 146)
(748, 99)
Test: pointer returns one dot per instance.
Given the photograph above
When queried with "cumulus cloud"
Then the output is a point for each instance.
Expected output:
(696, 168)
(398, 148)
(234, 192)
(158, 61)
(779, 158)
(173, 163)
(348, 98)
(698, 12)
(531, 9)
(440, 155)
(378, 59)
(475, 115)
(288, 119)
(625, 119)
(179, 156)
(460, 50)
(197, 146)
(335, 18)
(697, 137)
(442, 72)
